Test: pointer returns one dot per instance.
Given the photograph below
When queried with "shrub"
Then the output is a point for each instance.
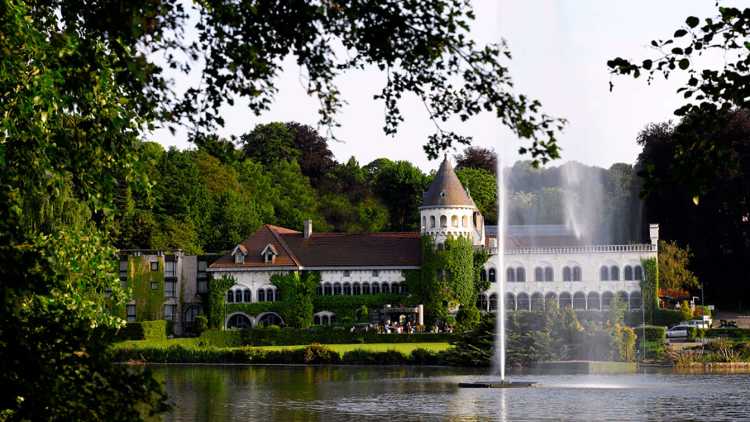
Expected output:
(667, 317)
(696, 333)
(468, 317)
(652, 332)
(315, 353)
(201, 324)
(425, 357)
(221, 338)
(275, 336)
(389, 357)
(734, 333)
(145, 330)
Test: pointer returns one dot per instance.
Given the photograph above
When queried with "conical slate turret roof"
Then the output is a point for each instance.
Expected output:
(446, 189)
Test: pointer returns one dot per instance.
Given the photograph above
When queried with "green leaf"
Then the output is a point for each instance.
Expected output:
(692, 21)
(680, 33)
(647, 64)
(684, 64)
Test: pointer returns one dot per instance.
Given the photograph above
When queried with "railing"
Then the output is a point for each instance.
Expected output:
(580, 249)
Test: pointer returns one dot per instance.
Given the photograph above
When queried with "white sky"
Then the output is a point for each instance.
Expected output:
(560, 49)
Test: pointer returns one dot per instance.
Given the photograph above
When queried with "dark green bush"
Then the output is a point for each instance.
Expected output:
(274, 336)
(220, 338)
(734, 333)
(652, 332)
(696, 333)
(364, 357)
(425, 357)
(667, 317)
(145, 330)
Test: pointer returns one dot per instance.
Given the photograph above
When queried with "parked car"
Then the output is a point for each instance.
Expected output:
(678, 331)
(697, 323)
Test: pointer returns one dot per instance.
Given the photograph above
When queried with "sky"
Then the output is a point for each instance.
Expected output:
(560, 49)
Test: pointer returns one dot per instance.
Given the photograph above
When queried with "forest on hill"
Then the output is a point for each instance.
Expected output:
(209, 198)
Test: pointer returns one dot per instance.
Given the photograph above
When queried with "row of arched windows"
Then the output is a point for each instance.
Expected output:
(574, 273)
(444, 221)
(348, 289)
(324, 319)
(246, 295)
(612, 273)
(578, 301)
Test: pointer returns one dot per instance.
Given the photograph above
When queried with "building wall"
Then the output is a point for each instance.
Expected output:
(440, 233)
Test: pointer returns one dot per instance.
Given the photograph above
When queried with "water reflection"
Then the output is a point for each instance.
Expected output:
(280, 393)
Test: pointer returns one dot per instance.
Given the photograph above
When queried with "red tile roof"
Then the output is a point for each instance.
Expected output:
(400, 249)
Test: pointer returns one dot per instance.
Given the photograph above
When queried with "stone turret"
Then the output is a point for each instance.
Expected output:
(448, 210)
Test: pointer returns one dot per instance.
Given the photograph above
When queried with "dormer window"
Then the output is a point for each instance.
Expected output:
(269, 254)
(239, 252)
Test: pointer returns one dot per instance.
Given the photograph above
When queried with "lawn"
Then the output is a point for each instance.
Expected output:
(192, 343)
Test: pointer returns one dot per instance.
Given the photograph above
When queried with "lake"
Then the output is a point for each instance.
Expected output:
(339, 393)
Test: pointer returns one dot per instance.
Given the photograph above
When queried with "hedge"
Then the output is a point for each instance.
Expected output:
(313, 354)
(735, 333)
(275, 336)
(145, 330)
(652, 332)
(667, 317)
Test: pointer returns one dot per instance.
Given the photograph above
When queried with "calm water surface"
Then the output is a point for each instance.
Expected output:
(282, 393)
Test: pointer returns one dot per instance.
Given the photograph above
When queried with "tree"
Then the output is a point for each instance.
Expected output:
(400, 186)
(315, 159)
(477, 158)
(674, 272)
(270, 143)
(296, 295)
(482, 186)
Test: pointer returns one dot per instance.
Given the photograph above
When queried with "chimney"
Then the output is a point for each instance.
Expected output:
(653, 231)
(308, 229)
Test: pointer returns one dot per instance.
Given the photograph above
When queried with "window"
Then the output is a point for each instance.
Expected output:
(202, 286)
(454, 221)
(432, 221)
(386, 288)
(520, 274)
(375, 288)
(577, 274)
(347, 273)
(169, 312)
(510, 275)
(424, 222)
(375, 273)
(549, 274)
(239, 259)
(628, 272)
(356, 289)
(124, 269)
(493, 275)
(154, 266)
(238, 295)
(336, 288)
(567, 276)
(604, 274)
(443, 221)
(270, 297)
(261, 296)
(365, 288)
(247, 295)
(607, 300)
(538, 274)
(579, 301)
(202, 266)
(482, 302)
(614, 273)
(230, 296)
(638, 272)
(154, 285)
(131, 313)
(483, 275)
(327, 290)
(319, 290)
(493, 302)
(170, 269)
(464, 221)
(170, 289)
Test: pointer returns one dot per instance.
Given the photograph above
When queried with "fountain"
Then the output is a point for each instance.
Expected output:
(499, 359)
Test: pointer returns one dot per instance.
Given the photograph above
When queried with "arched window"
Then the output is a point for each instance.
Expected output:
(549, 274)
(269, 295)
(623, 298)
(482, 302)
(365, 288)
(604, 273)
(565, 300)
(325, 320)
(510, 275)
(464, 221)
(336, 288)
(454, 221)
(522, 301)
(375, 288)
(538, 274)
(483, 275)
(493, 277)
(386, 288)
(614, 273)
(443, 221)
(238, 295)
(628, 273)
(493, 302)
(607, 300)
(579, 301)
(566, 274)
(239, 321)
(347, 289)
(520, 274)
(402, 288)
(537, 302)
(577, 274)
(550, 299)
(230, 296)
(635, 300)
(327, 289)
(319, 290)
(510, 302)
(592, 301)
(432, 221)
(316, 319)
(356, 289)
(261, 295)
(638, 272)
(248, 297)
